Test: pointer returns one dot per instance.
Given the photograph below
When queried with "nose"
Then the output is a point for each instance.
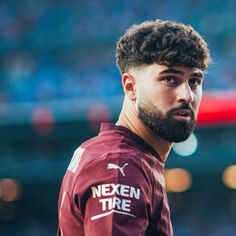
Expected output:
(185, 94)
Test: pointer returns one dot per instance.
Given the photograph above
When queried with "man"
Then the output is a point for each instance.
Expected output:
(114, 184)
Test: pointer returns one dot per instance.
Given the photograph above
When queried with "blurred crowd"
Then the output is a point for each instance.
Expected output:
(55, 49)
(52, 50)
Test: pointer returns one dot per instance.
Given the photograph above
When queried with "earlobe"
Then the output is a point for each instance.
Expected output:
(129, 86)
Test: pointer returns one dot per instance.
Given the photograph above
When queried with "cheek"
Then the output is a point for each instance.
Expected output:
(163, 101)
(165, 97)
(160, 97)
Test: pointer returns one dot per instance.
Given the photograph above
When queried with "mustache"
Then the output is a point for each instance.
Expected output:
(181, 107)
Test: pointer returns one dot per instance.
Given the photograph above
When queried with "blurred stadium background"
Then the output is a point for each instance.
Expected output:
(59, 81)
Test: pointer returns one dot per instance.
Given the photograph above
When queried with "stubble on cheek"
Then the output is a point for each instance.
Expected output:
(166, 126)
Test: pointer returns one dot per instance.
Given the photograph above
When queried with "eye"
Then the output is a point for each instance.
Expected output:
(169, 80)
(195, 82)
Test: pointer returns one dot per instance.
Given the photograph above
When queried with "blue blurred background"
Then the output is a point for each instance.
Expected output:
(59, 81)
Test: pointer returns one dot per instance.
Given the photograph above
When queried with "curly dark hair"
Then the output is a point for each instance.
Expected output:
(165, 42)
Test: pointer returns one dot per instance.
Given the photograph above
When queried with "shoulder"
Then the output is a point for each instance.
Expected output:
(104, 159)
(109, 162)
(90, 168)
(105, 150)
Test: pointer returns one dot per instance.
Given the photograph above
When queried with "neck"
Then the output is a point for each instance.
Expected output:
(129, 119)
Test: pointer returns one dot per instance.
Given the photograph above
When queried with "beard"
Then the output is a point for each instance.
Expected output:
(165, 126)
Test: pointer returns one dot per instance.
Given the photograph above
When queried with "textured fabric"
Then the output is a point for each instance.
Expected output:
(114, 186)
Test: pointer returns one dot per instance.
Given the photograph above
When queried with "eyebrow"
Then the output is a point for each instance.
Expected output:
(197, 74)
(174, 71)
(171, 71)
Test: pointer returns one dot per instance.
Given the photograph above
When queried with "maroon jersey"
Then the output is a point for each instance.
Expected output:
(114, 186)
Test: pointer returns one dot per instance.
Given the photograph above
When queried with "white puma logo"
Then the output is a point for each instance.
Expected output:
(114, 166)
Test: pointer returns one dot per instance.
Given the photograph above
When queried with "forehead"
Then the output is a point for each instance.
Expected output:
(159, 70)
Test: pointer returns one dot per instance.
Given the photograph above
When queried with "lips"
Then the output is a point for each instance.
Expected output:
(183, 112)
(183, 115)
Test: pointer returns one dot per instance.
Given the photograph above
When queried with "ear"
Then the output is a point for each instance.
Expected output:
(129, 86)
